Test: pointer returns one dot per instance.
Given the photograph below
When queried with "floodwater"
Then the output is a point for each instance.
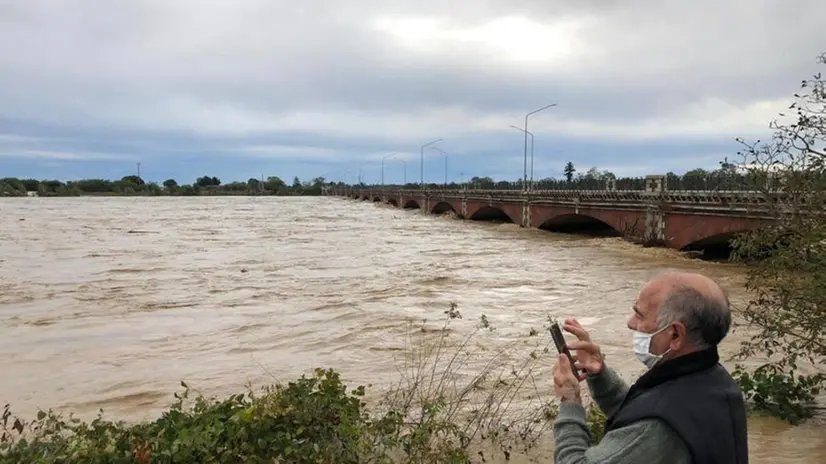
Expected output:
(111, 302)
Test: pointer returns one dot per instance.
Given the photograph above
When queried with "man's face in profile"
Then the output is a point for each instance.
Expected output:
(644, 316)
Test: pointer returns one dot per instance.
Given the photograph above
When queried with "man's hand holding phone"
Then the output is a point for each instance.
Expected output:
(572, 369)
(588, 355)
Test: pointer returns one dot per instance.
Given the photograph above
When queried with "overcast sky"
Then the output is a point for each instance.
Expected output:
(241, 88)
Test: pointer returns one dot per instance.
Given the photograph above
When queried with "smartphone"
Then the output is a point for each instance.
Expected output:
(561, 346)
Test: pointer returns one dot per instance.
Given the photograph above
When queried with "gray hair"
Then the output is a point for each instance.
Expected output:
(707, 319)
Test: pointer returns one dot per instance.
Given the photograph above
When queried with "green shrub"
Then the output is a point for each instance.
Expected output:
(786, 273)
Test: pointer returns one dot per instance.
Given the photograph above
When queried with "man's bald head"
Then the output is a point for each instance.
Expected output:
(697, 302)
(698, 282)
(696, 308)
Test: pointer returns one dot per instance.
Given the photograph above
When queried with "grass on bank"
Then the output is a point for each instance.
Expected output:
(454, 402)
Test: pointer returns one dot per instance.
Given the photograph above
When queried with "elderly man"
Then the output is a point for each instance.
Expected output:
(685, 409)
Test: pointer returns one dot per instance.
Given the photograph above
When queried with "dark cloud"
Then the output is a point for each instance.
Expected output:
(352, 80)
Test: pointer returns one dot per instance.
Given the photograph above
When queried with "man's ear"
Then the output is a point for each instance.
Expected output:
(678, 333)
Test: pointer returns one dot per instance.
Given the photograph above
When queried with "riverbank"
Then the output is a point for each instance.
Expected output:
(434, 413)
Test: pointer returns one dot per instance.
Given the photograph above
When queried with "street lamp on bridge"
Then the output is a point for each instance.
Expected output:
(361, 171)
(404, 167)
(525, 159)
(532, 144)
(444, 153)
(421, 154)
(391, 156)
(382, 168)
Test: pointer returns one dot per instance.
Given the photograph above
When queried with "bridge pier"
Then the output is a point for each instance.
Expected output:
(654, 226)
(526, 214)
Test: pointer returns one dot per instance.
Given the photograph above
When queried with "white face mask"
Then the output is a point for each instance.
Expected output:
(642, 343)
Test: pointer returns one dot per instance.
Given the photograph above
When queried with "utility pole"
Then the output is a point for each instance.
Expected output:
(139, 169)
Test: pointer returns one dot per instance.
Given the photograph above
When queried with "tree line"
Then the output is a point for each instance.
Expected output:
(728, 176)
(135, 185)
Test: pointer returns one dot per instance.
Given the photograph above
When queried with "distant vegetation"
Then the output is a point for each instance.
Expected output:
(727, 177)
(134, 185)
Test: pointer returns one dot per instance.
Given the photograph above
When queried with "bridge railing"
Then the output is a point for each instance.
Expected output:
(697, 180)
(534, 193)
(730, 199)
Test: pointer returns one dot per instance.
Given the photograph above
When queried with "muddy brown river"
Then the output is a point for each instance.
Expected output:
(111, 302)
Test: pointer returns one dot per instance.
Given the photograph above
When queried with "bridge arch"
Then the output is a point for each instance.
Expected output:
(491, 213)
(712, 235)
(393, 202)
(376, 199)
(581, 224)
(716, 246)
(411, 204)
(442, 207)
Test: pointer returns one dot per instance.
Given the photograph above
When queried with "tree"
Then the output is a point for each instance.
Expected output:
(31, 185)
(482, 182)
(569, 171)
(593, 174)
(787, 260)
(170, 184)
(253, 184)
(274, 184)
(672, 181)
(154, 188)
(50, 186)
(95, 185)
(133, 180)
(207, 181)
(695, 179)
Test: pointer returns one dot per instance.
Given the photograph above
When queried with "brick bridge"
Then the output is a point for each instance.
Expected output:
(683, 220)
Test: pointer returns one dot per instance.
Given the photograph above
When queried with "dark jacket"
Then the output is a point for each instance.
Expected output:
(698, 399)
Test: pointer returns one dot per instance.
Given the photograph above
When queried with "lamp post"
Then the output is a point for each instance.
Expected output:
(444, 153)
(421, 154)
(525, 157)
(361, 172)
(404, 164)
(382, 168)
(532, 144)
(391, 156)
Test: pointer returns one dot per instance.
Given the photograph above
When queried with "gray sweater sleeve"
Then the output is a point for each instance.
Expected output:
(608, 390)
(649, 441)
